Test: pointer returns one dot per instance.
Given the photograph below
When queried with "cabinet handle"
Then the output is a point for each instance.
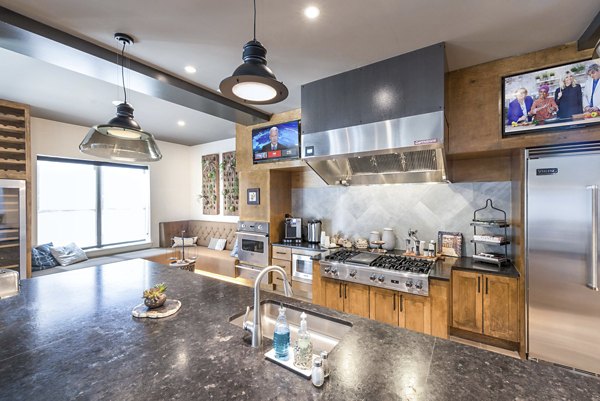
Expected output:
(345, 288)
(340, 290)
(281, 253)
(478, 284)
(401, 299)
(394, 301)
(486, 286)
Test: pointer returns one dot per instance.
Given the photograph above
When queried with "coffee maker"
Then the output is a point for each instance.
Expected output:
(293, 229)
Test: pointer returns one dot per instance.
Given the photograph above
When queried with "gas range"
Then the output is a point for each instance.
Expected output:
(394, 272)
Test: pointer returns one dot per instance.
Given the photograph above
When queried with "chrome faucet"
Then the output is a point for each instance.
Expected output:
(255, 326)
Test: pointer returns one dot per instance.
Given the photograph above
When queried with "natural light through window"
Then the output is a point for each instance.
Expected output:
(94, 204)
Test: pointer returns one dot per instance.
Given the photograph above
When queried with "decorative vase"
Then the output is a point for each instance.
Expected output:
(389, 238)
(154, 303)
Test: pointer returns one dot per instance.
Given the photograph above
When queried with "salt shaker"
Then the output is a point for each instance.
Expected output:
(325, 362)
(318, 377)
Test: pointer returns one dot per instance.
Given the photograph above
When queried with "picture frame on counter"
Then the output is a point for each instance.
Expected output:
(560, 97)
(450, 243)
(253, 196)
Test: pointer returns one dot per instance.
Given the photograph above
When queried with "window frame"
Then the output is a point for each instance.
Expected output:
(98, 175)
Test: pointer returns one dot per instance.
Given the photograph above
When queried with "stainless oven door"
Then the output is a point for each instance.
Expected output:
(253, 249)
(302, 267)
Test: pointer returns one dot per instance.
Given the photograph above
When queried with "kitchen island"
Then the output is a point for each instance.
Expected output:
(71, 336)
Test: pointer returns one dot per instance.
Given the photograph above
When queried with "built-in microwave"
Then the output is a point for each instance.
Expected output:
(302, 265)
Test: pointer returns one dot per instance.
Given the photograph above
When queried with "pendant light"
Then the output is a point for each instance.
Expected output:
(253, 82)
(121, 138)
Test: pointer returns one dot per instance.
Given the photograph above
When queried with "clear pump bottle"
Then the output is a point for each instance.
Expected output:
(303, 349)
(281, 336)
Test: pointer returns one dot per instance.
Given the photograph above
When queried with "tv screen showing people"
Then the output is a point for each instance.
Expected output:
(562, 97)
(276, 142)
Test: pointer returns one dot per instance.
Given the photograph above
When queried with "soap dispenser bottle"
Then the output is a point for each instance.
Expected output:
(303, 349)
(281, 336)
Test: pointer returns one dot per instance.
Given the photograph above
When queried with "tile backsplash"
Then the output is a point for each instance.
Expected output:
(428, 208)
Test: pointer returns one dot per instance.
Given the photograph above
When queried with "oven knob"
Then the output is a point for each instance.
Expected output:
(352, 273)
(259, 227)
(334, 270)
(419, 285)
(373, 277)
(409, 284)
(381, 279)
(327, 269)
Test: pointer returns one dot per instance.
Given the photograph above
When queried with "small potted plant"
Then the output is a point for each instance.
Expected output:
(155, 297)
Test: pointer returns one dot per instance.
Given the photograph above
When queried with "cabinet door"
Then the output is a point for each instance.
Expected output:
(467, 301)
(383, 305)
(501, 307)
(417, 313)
(356, 299)
(317, 285)
(332, 292)
(439, 295)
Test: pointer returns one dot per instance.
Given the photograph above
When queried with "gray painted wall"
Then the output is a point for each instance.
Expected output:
(429, 208)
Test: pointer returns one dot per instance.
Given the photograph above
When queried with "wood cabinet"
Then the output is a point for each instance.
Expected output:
(486, 304)
(282, 257)
(15, 163)
(384, 306)
(439, 296)
(346, 297)
(500, 307)
(416, 311)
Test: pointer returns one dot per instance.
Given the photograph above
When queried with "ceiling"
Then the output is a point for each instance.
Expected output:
(210, 34)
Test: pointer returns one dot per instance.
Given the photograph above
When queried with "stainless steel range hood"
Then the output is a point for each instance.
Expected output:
(379, 124)
(403, 150)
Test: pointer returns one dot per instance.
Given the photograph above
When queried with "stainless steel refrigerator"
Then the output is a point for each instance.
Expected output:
(563, 313)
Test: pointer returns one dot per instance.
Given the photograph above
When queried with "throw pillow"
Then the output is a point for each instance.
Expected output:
(213, 243)
(221, 244)
(184, 241)
(68, 254)
(234, 251)
(41, 257)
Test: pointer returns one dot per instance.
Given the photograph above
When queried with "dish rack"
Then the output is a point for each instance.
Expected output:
(490, 239)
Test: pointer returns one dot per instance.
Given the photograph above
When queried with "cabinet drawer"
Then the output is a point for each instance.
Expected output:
(282, 253)
(285, 265)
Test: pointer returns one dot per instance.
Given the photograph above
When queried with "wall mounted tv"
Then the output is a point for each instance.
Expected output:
(276, 142)
(562, 97)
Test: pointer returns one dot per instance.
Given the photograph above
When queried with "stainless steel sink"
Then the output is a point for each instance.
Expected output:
(325, 332)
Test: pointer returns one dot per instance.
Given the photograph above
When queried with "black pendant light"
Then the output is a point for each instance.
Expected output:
(122, 138)
(253, 82)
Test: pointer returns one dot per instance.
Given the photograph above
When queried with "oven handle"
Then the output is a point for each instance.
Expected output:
(252, 234)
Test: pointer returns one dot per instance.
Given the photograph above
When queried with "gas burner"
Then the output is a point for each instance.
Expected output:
(341, 255)
(403, 263)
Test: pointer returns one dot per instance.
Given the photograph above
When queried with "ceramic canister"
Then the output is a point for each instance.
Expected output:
(389, 238)
(374, 236)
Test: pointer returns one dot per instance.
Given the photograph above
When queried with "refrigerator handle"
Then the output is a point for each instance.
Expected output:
(593, 273)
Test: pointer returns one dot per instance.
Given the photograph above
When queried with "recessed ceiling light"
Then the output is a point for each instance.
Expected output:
(190, 69)
(311, 12)
(181, 123)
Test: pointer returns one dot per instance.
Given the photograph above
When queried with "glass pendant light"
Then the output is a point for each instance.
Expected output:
(253, 82)
(121, 138)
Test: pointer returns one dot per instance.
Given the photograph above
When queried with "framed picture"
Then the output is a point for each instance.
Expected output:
(555, 98)
(450, 243)
(253, 196)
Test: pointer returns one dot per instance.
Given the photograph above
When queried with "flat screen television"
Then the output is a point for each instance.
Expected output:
(276, 142)
(560, 97)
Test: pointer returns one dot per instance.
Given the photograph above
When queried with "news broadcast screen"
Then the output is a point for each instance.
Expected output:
(276, 142)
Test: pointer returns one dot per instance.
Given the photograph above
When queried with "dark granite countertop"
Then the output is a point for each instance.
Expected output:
(71, 336)
(307, 246)
(468, 264)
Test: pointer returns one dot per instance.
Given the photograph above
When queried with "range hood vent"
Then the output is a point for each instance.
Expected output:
(379, 124)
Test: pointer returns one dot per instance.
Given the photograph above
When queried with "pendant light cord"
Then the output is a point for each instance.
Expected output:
(255, 20)
(123, 70)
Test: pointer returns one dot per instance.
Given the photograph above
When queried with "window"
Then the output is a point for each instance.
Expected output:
(94, 204)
